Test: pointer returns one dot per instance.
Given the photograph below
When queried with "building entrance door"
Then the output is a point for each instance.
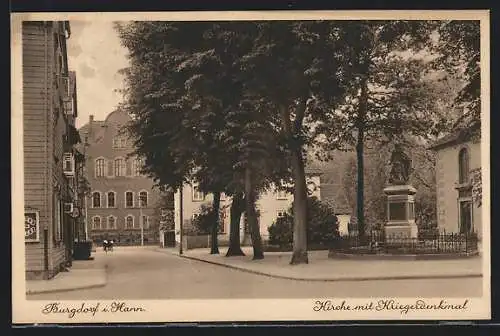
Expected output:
(169, 238)
(465, 208)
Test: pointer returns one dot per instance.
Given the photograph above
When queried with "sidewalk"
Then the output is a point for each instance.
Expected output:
(83, 274)
(322, 268)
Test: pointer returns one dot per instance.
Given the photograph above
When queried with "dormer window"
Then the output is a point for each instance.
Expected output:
(119, 142)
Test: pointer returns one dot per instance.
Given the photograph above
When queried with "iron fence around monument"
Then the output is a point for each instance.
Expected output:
(377, 242)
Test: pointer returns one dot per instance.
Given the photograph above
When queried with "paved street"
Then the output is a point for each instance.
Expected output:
(142, 273)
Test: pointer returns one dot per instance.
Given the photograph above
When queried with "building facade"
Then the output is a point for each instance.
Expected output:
(458, 162)
(52, 165)
(122, 203)
(270, 206)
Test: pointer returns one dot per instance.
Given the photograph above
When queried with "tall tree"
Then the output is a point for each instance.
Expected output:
(386, 92)
(183, 86)
(167, 122)
(458, 48)
(219, 89)
(291, 64)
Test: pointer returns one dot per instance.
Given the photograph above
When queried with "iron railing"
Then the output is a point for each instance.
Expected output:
(376, 242)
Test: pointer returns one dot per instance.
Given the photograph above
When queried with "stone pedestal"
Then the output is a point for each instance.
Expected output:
(400, 212)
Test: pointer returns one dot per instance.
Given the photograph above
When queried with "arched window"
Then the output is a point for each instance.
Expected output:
(99, 167)
(111, 222)
(120, 167)
(111, 199)
(129, 199)
(463, 166)
(143, 199)
(136, 167)
(96, 222)
(96, 199)
(129, 222)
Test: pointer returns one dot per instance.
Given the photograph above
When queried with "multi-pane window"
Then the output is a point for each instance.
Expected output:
(96, 222)
(129, 199)
(120, 167)
(111, 199)
(119, 142)
(281, 213)
(136, 167)
(99, 167)
(111, 222)
(96, 199)
(197, 194)
(143, 199)
(129, 222)
(281, 194)
(463, 166)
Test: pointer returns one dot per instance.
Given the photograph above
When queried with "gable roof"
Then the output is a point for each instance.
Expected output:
(458, 136)
(334, 195)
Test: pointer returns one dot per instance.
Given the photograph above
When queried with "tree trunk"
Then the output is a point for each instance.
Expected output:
(237, 208)
(299, 255)
(360, 159)
(258, 251)
(214, 248)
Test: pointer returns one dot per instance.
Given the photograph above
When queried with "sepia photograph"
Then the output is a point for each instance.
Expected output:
(314, 166)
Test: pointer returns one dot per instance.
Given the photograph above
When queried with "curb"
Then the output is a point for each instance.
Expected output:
(339, 279)
(63, 290)
(409, 257)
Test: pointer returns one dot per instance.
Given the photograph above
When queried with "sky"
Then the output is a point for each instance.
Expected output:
(95, 53)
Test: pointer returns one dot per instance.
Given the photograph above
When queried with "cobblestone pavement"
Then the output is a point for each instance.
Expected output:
(142, 273)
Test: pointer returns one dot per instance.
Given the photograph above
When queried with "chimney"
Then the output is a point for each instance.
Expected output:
(91, 119)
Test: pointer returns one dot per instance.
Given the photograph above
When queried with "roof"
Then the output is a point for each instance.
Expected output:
(458, 136)
(334, 195)
(72, 87)
(85, 127)
(311, 170)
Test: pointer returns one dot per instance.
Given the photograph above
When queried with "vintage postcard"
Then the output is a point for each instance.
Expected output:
(250, 166)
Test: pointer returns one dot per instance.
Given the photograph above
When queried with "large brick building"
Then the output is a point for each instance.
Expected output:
(114, 210)
(52, 165)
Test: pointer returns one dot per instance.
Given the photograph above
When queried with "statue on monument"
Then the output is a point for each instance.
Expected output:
(400, 166)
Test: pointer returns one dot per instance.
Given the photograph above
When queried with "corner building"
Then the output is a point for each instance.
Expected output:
(114, 210)
(52, 164)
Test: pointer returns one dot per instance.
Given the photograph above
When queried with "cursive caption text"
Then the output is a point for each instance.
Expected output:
(89, 309)
(388, 305)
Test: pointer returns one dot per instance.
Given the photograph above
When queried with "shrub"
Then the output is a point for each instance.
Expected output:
(322, 225)
(281, 232)
(202, 224)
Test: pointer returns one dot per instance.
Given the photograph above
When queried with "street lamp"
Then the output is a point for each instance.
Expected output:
(181, 219)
